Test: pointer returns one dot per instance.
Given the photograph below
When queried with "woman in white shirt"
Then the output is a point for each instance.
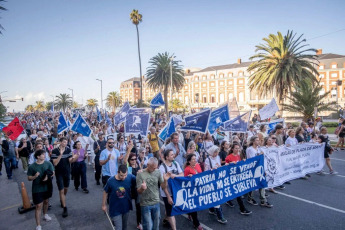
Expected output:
(291, 140)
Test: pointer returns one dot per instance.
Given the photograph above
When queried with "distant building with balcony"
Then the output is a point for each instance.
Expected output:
(212, 86)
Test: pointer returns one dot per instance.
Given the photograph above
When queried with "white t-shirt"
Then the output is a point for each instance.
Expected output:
(291, 141)
(171, 169)
(215, 162)
(252, 152)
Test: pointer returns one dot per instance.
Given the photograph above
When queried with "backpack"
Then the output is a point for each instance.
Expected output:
(166, 168)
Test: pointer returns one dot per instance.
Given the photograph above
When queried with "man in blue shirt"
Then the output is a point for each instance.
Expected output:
(119, 188)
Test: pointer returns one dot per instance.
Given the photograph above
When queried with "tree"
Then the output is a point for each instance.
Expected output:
(136, 18)
(40, 106)
(158, 75)
(3, 111)
(176, 104)
(29, 108)
(282, 63)
(91, 103)
(306, 97)
(3, 9)
(48, 105)
(63, 101)
(113, 100)
(75, 105)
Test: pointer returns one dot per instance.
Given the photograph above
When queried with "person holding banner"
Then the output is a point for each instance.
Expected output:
(171, 166)
(213, 162)
(291, 140)
(192, 168)
(251, 152)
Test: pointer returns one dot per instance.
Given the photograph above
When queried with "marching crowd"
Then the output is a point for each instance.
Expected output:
(135, 169)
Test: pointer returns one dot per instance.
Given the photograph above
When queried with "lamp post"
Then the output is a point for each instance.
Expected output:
(53, 101)
(72, 97)
(101, 92)
(171, 83)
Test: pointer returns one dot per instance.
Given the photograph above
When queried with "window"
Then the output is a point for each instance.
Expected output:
(204, 98)
(334, 66)
(221, 76)
(334, 82)
(196, 85)
(204, 85)
(221, 83)
(221, 97)
(230, 74)
(240, 74)
(322, 83)
(212, 77)
(240, 82)
(321, 75)
(204, 77)
(231, 96)
(241, 97)
(213, 100)
(212, 84)
(186, 87)
(196, 78)
(321, 67)
(186, 100)
(230, 83)
(334, 75)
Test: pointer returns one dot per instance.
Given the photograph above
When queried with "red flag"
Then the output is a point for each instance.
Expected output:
(14, 129)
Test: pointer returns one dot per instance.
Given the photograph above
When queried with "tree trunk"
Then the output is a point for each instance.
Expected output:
(141, 79)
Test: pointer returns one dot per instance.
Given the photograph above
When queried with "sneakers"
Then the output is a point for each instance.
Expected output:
(230, 204)
(140, 227)
(166, 222)
(281, 187)
(47, 217)
(212, 212)
(64, 213)
(266, 204)
(332, 172)
(38, 227)
(252, 202)
(85, 190)
(320, 173)
(287, 182)
(246, 212)
(199, 228)
(222, 220)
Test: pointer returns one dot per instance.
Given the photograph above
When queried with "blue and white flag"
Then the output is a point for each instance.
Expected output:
(269, 110)
(238, 124)
(62, 126)
(272, 125)
(157, 101)
(137, 122)
(99, 115)
(121, 115)
(167, 130)
(69, 126)
(107, 119)
(177, 119)
(197, 122)
(233, 107)
(212, 188)
(80, 126)
(218, 117)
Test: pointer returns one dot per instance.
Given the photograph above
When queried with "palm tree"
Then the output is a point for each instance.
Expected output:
(91, 103)
(176, 104)
(136, 18)
(158, 75)
(75, 105)
(3, 9)
(113, 100)
(63, 101)
(306, 97)
(40, 106)
(48, 105)
(281, 64)
(3, 111)
(29, 108)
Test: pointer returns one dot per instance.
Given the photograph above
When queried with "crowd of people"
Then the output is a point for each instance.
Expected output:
(135, 169)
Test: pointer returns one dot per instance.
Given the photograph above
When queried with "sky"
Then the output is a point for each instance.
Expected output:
(50, 46)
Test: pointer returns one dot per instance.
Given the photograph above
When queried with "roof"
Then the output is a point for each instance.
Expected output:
(132, 79)
(329, 56)
(221, 67)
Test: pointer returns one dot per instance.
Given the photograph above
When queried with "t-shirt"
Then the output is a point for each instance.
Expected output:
(37, 184)
(212, 162)
(81, 154)
(189, 170)
(151, 195)
(252, 152)
(110, 168)
(11, 149)
(120, 200)
(25, 152)
(291, 141)
(174, 168)
(222, 155)
(232, 158)
(63, 167)
(153, 142)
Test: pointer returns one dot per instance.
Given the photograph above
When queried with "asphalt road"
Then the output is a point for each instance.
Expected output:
(316, 203)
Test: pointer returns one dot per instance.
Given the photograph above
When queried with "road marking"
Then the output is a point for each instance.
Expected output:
(337, 159)
(186, 216)
(9, 207)
(334, 174)
(312, 202)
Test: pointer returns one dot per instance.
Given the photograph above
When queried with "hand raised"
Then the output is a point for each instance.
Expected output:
(143, 185)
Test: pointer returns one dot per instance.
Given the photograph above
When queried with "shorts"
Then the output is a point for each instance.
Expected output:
(168, 207)
(62, 181)
(39, 197)
(326, 155)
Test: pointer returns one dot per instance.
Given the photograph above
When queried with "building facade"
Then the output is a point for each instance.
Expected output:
(212, 86)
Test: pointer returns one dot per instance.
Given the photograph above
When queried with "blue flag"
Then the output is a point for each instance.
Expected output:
(80, 126)
(238, 124)
(167, 130)
(2, 125)
(62, 126)
(107, 119)
(218, 117)
(99, 115)
(157, 101)
(272, 125)
(197, 122)
(121, 115)
(212, 188)
(52, 107)
(137, 122)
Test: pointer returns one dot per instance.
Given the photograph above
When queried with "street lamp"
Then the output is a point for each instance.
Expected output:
(53, 101)
(171, 81)
(101, 92)
(72, 97)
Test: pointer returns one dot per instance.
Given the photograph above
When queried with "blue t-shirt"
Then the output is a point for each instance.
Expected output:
(120, 201)
(106, 169)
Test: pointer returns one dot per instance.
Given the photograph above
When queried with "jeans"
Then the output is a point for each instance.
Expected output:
(98, 169)
(10, 163)
(151, 216)
(79, 173)
(120, 221)
(1, 160)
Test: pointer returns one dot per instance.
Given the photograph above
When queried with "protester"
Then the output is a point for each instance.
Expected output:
(79, 167)
(10, 152)
(41, 173)
(119, 189)
(262, 134)
(153, 139)
(179, 151)
(98, 147)
(291, 140)
(24, 150)
(224, 151)
(328, 148)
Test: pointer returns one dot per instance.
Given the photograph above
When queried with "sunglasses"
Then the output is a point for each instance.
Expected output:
(274, 138)
(133, 159)
(110, 143)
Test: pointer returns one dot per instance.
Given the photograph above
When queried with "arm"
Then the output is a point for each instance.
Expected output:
(31, 178)
(57, 160)
(130, 146)
(103, 162)
(104, 199)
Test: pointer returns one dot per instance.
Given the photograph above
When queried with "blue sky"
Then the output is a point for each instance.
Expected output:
(50, 46)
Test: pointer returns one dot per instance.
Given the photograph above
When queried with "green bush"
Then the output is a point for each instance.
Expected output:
(330, 124)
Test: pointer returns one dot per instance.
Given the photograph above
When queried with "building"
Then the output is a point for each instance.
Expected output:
(215, 85)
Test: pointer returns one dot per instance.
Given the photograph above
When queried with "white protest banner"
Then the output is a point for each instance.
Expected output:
(288, 163)
(269, 110)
